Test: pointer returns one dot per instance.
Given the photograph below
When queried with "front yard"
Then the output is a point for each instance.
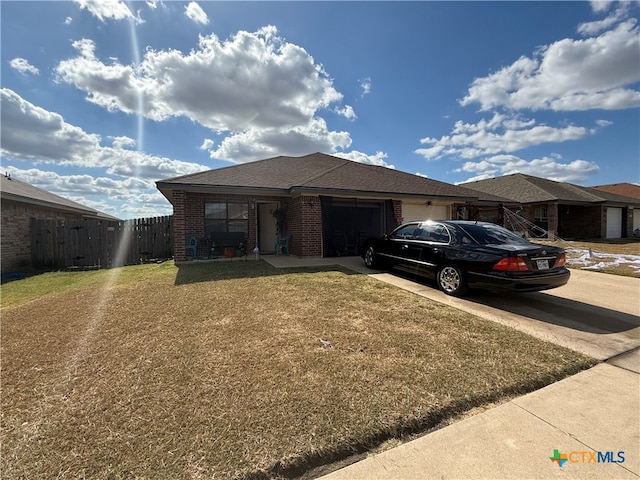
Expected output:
(229, 370)
(616, 257)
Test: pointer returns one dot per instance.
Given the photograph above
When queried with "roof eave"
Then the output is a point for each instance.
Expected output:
(376, 194)
(167, 189)
(45, 204)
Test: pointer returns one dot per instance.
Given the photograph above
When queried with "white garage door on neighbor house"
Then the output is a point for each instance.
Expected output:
(614, 222)
(423, 211)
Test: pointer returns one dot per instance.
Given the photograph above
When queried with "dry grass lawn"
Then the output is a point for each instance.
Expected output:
(217, 370)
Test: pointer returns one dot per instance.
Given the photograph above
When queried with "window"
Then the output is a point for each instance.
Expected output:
(226, 217)
(540, 214)
(489, 234)
(433, 232)
(405, 232)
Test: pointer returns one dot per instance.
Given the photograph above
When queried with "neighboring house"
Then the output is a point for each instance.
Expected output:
(329, 204)
(627, 190)
(20, 203)
(563, 209)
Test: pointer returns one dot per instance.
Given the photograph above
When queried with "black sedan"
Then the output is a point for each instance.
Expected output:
(462, 255)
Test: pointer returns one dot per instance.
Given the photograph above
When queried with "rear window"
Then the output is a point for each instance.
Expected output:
(492, 235)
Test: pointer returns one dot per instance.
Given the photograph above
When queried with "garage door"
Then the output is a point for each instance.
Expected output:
(346, 222)
(614, 222)
(636, 218)
(424, 212)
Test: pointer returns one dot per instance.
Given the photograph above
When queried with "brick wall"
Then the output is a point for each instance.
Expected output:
(397, 211)
(580, 222)
(304, 220)
(188, 215)
(305, 226)
(179, 226)
(16, 235)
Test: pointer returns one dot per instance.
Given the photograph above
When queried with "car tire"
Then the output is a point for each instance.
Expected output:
(370, 259)
(451, 281)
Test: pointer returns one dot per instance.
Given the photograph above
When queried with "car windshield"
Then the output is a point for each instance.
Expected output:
(490, 234)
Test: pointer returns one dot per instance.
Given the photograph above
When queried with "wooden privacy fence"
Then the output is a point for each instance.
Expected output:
(57, 244)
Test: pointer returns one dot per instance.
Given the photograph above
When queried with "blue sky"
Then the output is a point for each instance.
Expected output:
(100, 99)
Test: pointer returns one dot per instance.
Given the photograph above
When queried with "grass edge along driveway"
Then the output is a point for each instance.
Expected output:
(220, 370)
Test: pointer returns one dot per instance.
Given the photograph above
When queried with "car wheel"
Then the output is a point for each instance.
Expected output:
(370, 257)
(451, 281)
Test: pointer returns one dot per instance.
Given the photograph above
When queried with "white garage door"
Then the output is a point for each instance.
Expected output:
(636, 218)
(614, 222)
(425, 212)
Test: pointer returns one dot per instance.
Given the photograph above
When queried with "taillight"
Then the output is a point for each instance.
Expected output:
(511, 264)
(562, 260)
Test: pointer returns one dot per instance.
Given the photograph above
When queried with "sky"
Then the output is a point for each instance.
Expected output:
(102, 98)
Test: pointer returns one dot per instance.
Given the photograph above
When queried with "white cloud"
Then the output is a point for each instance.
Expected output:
(366, 86)
(23, 66)
(104, 9)
(122, 142)
(30, 133)
(576, 171)
(257, 143)
(207, 144)
(124, 198)
(569, 75)
(593, 28)
(356, 156)
(251, 80)
(68, 20)
(194, 12)
(500, 134)
(600, 6)
(255, 86)
(347, 112)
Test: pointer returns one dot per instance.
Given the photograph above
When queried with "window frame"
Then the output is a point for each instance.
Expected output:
(242, 219)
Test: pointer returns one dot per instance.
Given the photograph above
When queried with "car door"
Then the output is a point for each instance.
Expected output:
(429, 250)
(399, 249)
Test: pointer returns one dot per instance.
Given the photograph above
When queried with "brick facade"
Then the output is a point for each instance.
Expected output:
(304, 219)
(305, 226)
(188, 214)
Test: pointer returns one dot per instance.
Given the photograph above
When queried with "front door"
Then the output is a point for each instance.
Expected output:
(266, 227)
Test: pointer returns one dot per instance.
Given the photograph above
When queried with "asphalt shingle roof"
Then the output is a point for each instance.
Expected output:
(625, 189)
(320, 172)
(529, 189)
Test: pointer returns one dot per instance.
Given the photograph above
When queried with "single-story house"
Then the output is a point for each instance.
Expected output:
(327, 205)
(20, 202)
(626, 190)
(563, 209)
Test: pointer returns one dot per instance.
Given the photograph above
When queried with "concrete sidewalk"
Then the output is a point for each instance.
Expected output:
(591, 416)
(597, 410)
